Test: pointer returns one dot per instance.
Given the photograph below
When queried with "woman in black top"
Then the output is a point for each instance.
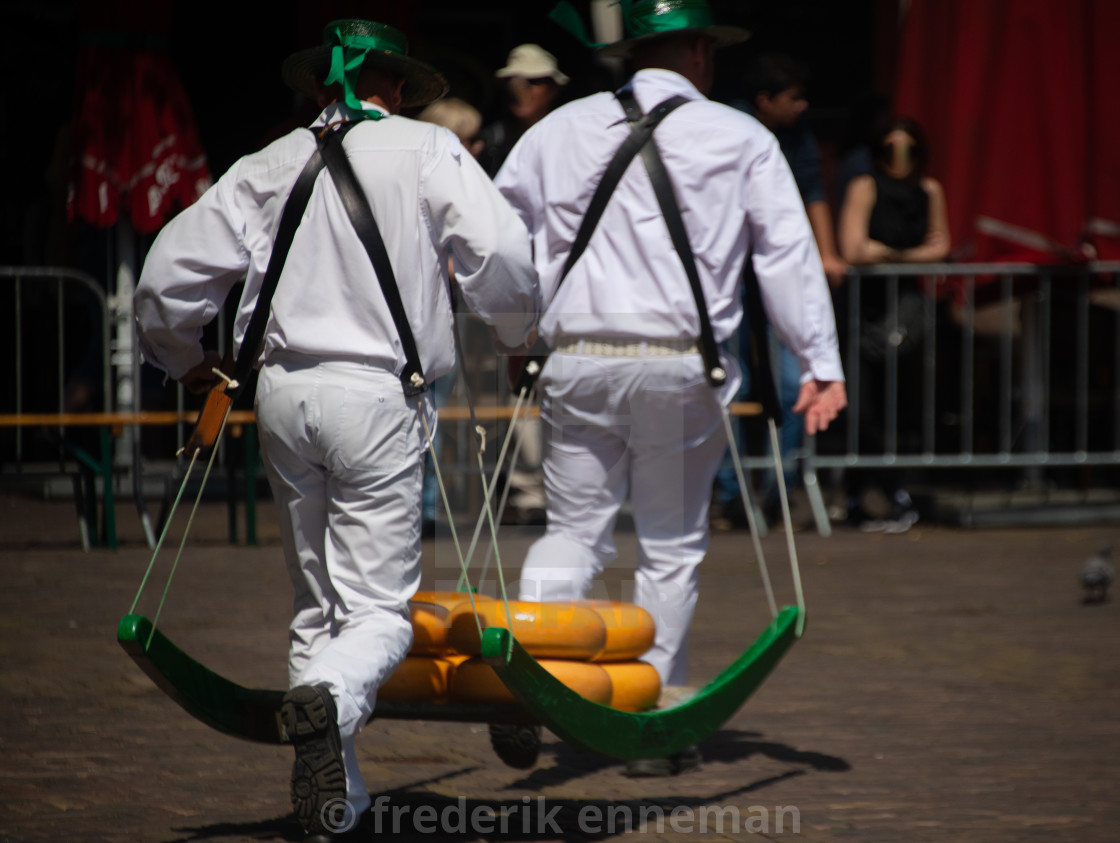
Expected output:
(894, 214)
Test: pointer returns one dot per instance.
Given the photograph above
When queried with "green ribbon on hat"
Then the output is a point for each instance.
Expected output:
(652, 17)
(347, 54)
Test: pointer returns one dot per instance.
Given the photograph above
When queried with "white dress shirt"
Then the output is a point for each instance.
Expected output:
(429, 198)
(736, 195)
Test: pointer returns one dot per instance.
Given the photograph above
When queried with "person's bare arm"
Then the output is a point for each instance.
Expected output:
(820, 220)
(856, 247)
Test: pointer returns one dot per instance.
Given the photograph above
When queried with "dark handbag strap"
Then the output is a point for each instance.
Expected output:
(361, 216)
(289, 222)
(641, 132)
(663, 189)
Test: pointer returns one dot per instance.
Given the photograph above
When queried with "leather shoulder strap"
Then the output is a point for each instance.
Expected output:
(361, 216)
(663, 189)
(640, 133)
(286, 232)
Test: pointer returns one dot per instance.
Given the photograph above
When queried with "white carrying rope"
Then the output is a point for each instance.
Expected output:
(787, 519)
(748, 505)
(451, 521)
(521, 396)
(230, 383)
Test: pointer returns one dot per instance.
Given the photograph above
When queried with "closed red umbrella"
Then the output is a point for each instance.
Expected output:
(136, 148)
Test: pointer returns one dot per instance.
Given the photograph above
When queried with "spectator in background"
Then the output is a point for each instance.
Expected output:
(775, 89)
(895, 214)
(460, 117)
(774, 85)
(533, 84)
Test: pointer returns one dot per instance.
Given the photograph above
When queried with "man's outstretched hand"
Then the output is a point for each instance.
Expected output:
(821, 402)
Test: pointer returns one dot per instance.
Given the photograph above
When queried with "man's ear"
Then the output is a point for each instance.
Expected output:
(398, 93)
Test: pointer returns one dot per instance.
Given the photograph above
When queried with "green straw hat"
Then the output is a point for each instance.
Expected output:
(350, 44)
(645, 20)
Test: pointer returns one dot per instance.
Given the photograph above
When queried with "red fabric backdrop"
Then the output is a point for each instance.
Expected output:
(1018, 98)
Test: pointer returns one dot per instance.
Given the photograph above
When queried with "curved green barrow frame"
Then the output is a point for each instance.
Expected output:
(254, 714)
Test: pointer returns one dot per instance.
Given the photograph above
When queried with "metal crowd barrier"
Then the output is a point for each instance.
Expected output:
(47, 313)
(1013, 366)
(976, 366)
(59, 334)
(39, 304)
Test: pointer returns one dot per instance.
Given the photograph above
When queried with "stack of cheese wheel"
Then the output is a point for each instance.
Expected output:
(425, 674)
(591, 646)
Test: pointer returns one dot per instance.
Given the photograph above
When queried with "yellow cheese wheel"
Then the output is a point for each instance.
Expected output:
(474, 681)
(552, 630)
(635, 686)
(430, 612)
(419, 679)
(630, 629)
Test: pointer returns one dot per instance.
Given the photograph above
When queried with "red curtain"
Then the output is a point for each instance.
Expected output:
(1018, 99)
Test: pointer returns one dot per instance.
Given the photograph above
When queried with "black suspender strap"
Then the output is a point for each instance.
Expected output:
(329, 152)
(289, 222)
(640, 134)
(361, 216)
(663, 189)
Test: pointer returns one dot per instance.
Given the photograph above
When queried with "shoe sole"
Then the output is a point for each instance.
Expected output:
(318, 775)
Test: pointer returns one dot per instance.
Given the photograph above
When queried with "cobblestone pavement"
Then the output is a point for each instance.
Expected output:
(950, 685)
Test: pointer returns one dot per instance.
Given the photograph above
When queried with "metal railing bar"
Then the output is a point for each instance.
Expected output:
(1081, 400)
(1006, 389)
(929, 373)
(968, 366)
(894, 340)
(854, 364)
(1045, 335)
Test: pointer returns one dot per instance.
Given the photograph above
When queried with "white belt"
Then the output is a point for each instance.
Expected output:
(607, 347)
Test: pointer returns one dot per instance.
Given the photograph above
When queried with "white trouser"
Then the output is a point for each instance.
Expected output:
(650, 427)
(344, 453)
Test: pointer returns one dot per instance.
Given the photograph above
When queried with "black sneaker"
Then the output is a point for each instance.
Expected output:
(310, 718)
(687, 759)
